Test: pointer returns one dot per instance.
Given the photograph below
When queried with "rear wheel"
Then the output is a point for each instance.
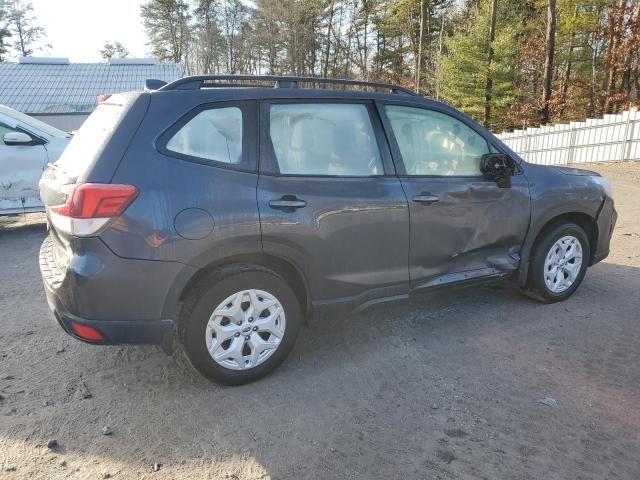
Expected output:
(240, 324)
(559, 263)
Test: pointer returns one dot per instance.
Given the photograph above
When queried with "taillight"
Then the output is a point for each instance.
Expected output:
(90, 207)
(89, 334)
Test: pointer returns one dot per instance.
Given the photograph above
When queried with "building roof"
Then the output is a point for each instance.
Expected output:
(53, 85)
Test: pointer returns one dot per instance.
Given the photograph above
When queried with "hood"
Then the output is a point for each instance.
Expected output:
(577, 171)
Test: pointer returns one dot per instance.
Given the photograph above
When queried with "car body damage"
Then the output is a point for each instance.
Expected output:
(169, 205)
(19, 177)
(26, 147)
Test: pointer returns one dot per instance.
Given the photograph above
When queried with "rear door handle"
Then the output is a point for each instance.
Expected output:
(426, 199)
(287, 202)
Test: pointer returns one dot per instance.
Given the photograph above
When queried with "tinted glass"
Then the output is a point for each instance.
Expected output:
(324, 139)
(433, 143)
(214, 134)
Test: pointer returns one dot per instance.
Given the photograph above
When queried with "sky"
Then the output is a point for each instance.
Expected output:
(77, 29)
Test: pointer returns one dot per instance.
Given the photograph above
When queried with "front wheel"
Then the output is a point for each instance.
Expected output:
(559, 263)
(240, 324)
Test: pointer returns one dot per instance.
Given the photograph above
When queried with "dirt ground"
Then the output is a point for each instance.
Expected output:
(448, 386)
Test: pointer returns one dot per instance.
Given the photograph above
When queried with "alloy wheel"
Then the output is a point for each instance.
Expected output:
(245, 329)
(562, 264)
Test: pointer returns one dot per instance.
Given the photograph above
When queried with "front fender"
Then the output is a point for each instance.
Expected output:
(553, 195)
(537, 228)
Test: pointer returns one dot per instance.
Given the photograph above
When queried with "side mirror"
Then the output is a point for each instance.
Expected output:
(498, 167)
(17, 138)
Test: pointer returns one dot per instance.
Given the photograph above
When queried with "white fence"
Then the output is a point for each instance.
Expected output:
(614, 138)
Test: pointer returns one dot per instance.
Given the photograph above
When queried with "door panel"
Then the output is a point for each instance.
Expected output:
(473, 225)
(329, 200)
(21, 167)
(351, 236)
(460, 221)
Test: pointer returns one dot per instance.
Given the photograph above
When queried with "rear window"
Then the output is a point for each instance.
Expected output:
(90, 139)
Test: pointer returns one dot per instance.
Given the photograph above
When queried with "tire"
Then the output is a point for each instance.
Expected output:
(537, 286)
(237, 282)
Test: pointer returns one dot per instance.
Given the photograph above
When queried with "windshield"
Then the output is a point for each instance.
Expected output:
(90, 139)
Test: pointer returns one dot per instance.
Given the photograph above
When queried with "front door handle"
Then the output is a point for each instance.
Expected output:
(287, 203)
(426, 199)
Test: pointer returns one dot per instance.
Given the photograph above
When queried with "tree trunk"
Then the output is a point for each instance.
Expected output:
(424, 9)
(592, 90)
(488, 88)
(439, 56)
(612, 72)
(625, 86)
(23, 47)
(365, 41)
(327, 48)
(594, 102)
(567, 72)
(550, 46)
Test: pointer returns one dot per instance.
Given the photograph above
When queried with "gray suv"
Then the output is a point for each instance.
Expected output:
(222, 210)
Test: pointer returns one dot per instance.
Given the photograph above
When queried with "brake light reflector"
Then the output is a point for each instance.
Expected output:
(86, 333)
(91, 206)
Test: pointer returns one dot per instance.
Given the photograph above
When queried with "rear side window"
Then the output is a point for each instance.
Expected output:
(324, 139)
(214, 134)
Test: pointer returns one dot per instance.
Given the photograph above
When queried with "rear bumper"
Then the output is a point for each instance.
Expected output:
(122, 299)
(115, 332)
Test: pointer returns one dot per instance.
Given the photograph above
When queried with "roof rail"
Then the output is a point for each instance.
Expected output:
(212, 81)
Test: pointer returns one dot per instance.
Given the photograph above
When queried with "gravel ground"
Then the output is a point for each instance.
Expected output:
(447, 386)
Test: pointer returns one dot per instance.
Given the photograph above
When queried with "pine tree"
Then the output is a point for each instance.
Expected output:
(442, 48)
(167, 26)
(113, 50)
(22, 24)
(465, 68)
(550, 46)
(5, 34)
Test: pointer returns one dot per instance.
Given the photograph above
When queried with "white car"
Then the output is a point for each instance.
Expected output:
(27, 145)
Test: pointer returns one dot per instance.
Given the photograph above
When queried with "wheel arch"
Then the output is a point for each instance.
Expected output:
(286, 269)
(586, 221)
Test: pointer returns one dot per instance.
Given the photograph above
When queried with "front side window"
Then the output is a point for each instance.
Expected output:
(214, 134)
(324, 139)
(434, 143)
